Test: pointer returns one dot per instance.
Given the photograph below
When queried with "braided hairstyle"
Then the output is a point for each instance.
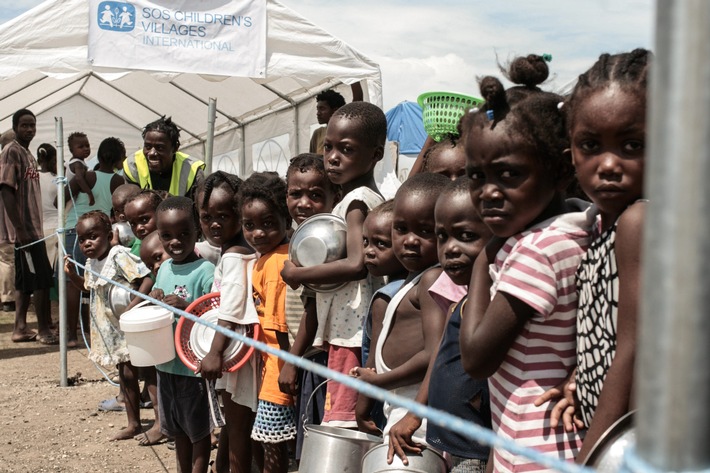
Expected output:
(531, 116)
(269, 188)
(628, 70)
(45, 153)
(167, 126)
(182, 204)
(220, 179)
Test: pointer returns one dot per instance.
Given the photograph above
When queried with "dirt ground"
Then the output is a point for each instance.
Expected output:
(47, 428)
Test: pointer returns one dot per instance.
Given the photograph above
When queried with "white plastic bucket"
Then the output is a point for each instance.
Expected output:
(149, 334)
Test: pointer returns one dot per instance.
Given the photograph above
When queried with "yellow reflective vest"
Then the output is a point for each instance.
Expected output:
(185, 170)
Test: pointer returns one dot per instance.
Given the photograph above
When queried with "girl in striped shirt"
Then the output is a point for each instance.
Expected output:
(518, 327)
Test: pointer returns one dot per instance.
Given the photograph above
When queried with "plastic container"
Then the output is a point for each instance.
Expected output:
(149, 334)
(441, 111)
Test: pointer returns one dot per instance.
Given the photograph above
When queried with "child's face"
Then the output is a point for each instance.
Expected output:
(178, 233)
(450, 162)
(460, 235)
(413, 237)
(94, 239)
(141, 216)
(264, 229)
(348, 154)
(608, 147)
(219, 222)
(308, 194)
(510, 187)
(119, 208)
(158, 150)
(80, 147)
(380, 259)
(152, 252)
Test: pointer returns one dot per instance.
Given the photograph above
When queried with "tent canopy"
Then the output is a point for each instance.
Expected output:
(405, 126)
(44, 67)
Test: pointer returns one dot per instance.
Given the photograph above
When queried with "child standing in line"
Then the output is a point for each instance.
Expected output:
(265, 221)
(120, 197)
(609, 151)
(80, 150)
(185, 401)
(47, 161)
(103, 182)
(220, 218)
(309, 192)
(380, 261)
(461, 235)
(108, 347)
(517, 329)
(446, 157)
(354, 143)
(413, 322)
(152, 252)
(140, 214)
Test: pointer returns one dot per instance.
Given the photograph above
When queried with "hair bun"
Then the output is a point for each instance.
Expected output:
(529, 71)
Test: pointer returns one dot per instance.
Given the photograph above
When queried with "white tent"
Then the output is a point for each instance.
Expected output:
(44, 67)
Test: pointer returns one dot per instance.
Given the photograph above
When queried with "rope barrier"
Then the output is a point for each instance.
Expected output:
(435, 416)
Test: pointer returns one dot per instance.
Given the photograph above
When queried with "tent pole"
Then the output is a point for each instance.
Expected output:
(243, 157)
(673, 377)
(61, 279)
(209, 144)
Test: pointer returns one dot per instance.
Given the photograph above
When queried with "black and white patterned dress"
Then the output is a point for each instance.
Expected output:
(598, 289)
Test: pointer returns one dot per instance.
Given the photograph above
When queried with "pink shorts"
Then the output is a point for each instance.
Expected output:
(340, 400)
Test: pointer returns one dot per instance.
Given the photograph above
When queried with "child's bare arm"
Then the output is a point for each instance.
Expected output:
(303, 340)
(488, 329)
(79, 171)
(350, 268)
(144, 287)
(74, 278)
(615, 398)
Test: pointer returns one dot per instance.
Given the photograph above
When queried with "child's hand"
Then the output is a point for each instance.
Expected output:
(365, 374)
(288, 379)
(69, 267)
(363, 407)
(566, 403)
(401, 438)
(92, 201)
(289, 274)
(157, 294)
(211, 366)
(175, 301)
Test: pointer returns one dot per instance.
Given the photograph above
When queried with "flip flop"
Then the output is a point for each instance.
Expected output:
(111, 405)
(48, 339)
(25, 337)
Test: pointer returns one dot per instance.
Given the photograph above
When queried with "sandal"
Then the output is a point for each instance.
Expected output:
(111, 405)
(49, 339)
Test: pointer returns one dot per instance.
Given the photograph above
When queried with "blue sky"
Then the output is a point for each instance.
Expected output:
(445, 44)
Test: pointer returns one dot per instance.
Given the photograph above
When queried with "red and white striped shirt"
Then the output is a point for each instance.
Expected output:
(538, 268)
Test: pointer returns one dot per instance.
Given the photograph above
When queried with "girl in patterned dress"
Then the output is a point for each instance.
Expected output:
(108, 344)
(606, 118)
(518, 327)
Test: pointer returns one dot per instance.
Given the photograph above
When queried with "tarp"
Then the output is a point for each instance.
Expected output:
(44, 67)
(405, 126)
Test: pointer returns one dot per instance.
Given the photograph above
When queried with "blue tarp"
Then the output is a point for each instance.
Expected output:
(405, 126)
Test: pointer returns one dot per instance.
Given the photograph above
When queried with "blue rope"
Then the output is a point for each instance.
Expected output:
(434, 416)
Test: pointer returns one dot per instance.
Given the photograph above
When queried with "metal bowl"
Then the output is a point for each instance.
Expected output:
(607, 454)
(125, 234)
(118, 300)
(319, 239)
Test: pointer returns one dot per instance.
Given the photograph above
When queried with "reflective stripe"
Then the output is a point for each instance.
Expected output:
(183, 174)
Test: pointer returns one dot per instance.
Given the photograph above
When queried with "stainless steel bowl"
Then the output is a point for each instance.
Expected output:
(319, 239)
(125, 234)
(607, 454)
(118, 300)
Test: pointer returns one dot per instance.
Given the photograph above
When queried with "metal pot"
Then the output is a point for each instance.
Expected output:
(429, 461)
(607, 454)
(118, 300)
(125, 234)
(319, 239)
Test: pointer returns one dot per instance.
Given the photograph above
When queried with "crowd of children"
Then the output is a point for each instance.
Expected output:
(500, 284)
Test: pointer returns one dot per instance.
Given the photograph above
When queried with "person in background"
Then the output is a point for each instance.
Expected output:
(159, 165)
(7, 257)
(327, 102)
(47, 160)
(77, 168)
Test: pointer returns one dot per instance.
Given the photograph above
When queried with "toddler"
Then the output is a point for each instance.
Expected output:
(517, 161)
(140, 214)
(185, 401)
(407, 339)
(461, 235)
(265, 220)
(354, 143)
(108, 347)
(446, 157)
(80, 150)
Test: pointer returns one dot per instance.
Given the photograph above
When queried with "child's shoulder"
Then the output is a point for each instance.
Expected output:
(429, 277)
(364, 194)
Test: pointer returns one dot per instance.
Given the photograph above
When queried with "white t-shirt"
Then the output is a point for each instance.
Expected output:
(49, 193)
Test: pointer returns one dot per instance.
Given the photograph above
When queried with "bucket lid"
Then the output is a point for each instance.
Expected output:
(144, 318)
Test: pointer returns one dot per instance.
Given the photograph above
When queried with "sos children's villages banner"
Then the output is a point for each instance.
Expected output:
(221, 37)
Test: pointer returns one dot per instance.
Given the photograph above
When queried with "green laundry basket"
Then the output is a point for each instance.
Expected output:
(441, 111)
